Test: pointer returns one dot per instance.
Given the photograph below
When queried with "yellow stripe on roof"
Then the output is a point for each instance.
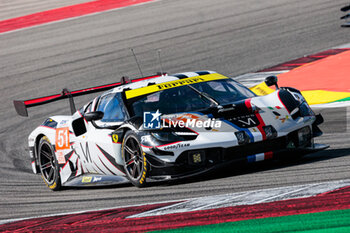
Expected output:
(177, 83)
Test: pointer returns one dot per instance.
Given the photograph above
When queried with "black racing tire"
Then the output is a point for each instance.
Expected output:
(135, 162)
(48, 165)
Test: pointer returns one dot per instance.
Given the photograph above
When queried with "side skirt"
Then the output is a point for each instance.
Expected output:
(95, 180)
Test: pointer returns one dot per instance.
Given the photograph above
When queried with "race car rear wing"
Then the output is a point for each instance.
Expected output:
(347, 16)
(22, 105)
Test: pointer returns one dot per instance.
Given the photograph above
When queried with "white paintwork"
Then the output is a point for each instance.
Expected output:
(88, 158)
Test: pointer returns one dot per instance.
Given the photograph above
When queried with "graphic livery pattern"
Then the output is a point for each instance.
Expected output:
(253, 129)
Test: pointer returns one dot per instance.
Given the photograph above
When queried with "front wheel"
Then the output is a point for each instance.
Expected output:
(48, 164)
(135, 163)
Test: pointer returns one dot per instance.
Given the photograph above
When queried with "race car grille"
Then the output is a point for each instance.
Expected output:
(211, 156)
(217, 155)
(192, 161)
(255, 148)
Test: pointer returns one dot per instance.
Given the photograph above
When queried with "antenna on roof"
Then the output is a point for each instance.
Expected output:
(137, 62)
(160, 61)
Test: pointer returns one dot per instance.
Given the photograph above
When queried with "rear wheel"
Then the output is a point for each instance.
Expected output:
(135, 163)
(48, 164)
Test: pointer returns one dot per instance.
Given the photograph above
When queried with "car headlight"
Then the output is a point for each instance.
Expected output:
(171, 136)
(242, 137)
(270, 131)
(304, 136)
(185, 133)
(166, 136)
(305, 109)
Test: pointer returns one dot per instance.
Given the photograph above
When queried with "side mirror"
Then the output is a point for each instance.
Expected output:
(271, 81)
(93, 116)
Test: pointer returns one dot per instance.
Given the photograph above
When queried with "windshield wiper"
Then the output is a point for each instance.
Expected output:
(205, 95)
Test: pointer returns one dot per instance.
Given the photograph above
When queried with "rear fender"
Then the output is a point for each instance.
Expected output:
(48, 129)
(33, 143)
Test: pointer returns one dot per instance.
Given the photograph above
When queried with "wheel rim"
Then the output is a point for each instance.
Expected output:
(47, 163)
(133, 158)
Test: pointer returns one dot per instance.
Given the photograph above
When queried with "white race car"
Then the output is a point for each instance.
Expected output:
(167, 127)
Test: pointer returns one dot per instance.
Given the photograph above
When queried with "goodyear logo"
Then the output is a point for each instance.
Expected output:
(172, 84)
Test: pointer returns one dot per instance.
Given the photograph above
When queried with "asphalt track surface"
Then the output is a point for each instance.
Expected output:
(231, 37)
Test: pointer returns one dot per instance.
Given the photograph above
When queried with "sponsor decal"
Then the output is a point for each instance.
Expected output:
(193, 123)
(85, 157)
(246, 121)
(62, 144)
(63, 123)
(53, 185)
(197, 158)
(50, 186)
(60, 156)
(261, 89)
(62, 138)
(144, 172)
(86, 179)
(249, 121)
(172, 84)
(115, 138)
(96, 179)
(153, 120)
(284, 119)
(176, 146)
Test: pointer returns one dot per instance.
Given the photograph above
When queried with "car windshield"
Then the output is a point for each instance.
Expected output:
(185, 99)
(224, 91)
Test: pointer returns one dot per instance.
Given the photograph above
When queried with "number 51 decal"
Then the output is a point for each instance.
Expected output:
(62, 138)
